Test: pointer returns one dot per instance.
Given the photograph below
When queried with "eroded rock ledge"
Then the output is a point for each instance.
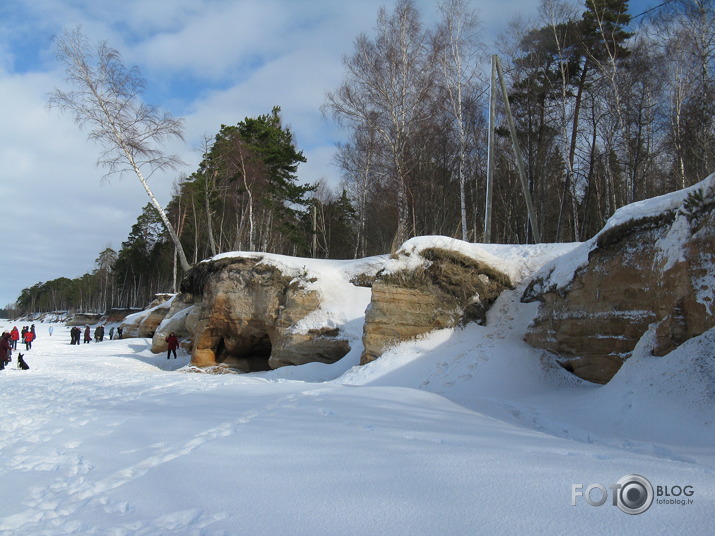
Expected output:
(446, 288)
(242, 312)
(646, 268)
(652, 268)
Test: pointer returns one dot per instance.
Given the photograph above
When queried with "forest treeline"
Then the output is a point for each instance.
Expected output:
(610, 107)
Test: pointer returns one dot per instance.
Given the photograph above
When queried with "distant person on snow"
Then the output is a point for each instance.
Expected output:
(87, 334)
(172, 343)
(75, 333)
(111, 333)
(50, 329)
(5, 350)
(120, 330)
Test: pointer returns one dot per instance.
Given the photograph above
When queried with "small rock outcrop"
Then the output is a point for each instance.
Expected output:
(146, 322)
(646, 267)
(443, 289)
(81, 319)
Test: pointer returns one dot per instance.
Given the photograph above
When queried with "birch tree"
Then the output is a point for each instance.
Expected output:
(458, 62)
(106, 99)
(388, 88)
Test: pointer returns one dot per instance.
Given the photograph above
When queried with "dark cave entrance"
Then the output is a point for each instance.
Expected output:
(248, 351)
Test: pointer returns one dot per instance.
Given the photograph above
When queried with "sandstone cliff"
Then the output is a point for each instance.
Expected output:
(428, 288)
(145, 323)
(654, 263)
(652, 267)
(256, 312)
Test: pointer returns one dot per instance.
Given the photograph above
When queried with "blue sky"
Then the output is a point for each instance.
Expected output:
(211, 62)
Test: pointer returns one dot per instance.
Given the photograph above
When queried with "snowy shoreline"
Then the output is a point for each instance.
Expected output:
(448, 434)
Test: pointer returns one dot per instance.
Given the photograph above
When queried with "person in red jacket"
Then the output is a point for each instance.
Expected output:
(172, 343)
(29, 337)
(14, 337)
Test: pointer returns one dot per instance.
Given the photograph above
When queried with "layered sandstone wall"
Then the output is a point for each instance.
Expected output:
(443, 290)
(656, 268)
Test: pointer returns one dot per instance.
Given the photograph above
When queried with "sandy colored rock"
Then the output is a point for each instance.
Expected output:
(397, 314)
(451, 289)
(244, 315)
(628, 284)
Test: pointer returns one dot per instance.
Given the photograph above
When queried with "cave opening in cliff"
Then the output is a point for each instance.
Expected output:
(248, 351)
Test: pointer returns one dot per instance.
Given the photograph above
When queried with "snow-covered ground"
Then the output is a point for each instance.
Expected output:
(462, 432)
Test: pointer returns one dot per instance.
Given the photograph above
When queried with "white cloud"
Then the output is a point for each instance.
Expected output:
(212, 61)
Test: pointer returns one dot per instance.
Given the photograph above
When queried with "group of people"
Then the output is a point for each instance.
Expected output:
(26, 335)
(9, 340)
(76, 334)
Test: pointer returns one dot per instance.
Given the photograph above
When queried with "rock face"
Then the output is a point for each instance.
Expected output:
(116, 315)
(81, 319)
(145, 323)
(447, 290)
(654, 268)
(244, 315)
(176, 320)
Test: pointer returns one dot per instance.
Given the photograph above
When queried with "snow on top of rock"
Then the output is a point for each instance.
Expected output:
(135, 319)
(559, 272)
(655, 205)
(305, 266)
(342, 301)
(517, 261)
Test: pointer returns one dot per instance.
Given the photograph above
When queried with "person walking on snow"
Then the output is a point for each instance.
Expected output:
(172, 343)
(87, 334)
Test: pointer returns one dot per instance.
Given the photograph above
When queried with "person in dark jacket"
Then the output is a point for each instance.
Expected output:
(74, 335)
(172, 343)
(5, 349)
(87, 335)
